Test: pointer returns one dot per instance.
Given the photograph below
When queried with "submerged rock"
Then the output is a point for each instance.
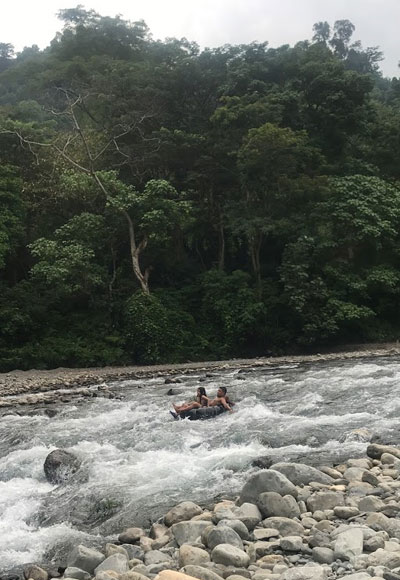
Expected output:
(60, 465)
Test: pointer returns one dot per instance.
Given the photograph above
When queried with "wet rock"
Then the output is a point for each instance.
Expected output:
(301, 474)
(60, 465)
(323, 500)
(182, 512)
(86, 559)
(270, 480)
(172, 381)
(273, 504)
(230, 556)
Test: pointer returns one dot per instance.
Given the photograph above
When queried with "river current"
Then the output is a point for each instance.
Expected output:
(137, 461)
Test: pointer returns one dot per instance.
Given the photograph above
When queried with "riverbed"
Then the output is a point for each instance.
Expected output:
(137, 461)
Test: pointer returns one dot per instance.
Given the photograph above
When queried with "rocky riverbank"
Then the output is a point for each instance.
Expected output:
(290, 522)
(17, 383)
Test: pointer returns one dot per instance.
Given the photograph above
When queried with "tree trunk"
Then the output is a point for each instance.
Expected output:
(221, 247)
(255, 248)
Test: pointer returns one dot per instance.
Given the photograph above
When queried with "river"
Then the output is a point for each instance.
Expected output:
(138, 461)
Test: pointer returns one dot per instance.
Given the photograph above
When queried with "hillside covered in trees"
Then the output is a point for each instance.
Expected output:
(162, 203)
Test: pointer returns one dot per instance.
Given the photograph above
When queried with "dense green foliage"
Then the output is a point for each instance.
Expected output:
(161, 203)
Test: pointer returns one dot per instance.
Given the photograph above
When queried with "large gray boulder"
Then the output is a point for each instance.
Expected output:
(301, 474)
(33, 572)
(223, 535)
(85, 558)
(273, 504)
(156, 557)
(60, 465)
(188, 532)
(182, 512)
(270, 480)
(230, 556)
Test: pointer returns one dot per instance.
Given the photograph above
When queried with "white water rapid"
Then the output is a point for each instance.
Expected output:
(138, 461)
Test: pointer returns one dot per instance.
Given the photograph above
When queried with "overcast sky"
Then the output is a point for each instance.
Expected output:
(216, 22)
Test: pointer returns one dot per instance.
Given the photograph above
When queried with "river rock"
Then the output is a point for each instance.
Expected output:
(192, 556)
(172, 575)
(131, 536)
(155, 557)
(114, 549)
(239, 527)
(77, 573)
(291, 544)
(385, 558)
(107, 575)
(132, 575)
(375, 450)
(248, 514)
(133, 551)
(230, 556)
(305, 573)
(188, 532)
(34, 572)
(270, 480)
(273, 504)
(86, 559)
(378, 521)
(370, 503)
(285, 526)
(60, 465)
(345, 512)
(182, 512)
(223, 535)
(374, 543)
(301, 474)
(116, 563)
(349, 544)
(200, 573)
(324, 500)
(323, 555)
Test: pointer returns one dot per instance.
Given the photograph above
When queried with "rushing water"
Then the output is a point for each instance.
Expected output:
(137, 461)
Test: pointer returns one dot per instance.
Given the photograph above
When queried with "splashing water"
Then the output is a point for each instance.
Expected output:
(137, 462)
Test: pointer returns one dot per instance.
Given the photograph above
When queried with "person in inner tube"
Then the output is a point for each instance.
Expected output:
(222, 400)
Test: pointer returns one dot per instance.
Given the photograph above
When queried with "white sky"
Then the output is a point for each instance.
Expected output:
(216, 22)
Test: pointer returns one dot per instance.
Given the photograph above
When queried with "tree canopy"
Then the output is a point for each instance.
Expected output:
(160, 202)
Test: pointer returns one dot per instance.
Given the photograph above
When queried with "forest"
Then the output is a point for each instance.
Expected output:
(165, 203)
